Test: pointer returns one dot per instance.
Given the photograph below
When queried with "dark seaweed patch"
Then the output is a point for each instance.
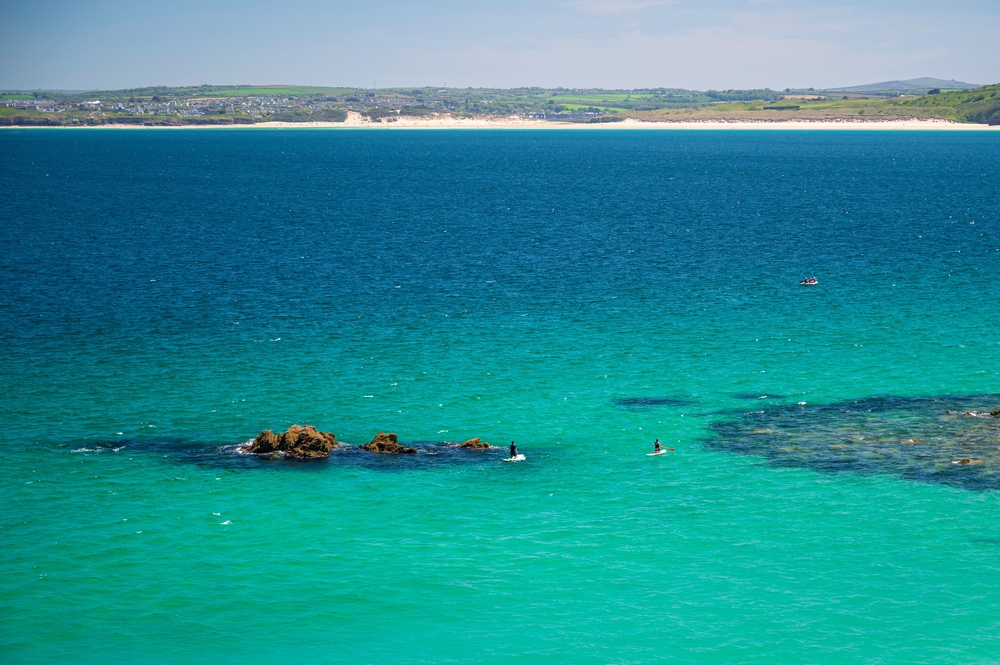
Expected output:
(429, 455)
(642, 403)
(917, 438)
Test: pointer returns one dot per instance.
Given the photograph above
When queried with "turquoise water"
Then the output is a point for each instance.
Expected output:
(168, 294)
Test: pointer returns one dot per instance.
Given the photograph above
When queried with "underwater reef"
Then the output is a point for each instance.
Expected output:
(949, 440)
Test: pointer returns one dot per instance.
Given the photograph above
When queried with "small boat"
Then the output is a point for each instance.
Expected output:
(809, 281)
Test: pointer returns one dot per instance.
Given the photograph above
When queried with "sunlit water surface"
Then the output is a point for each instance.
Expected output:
(168, 294)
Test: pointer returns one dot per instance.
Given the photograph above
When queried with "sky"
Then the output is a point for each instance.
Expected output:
(720, 44)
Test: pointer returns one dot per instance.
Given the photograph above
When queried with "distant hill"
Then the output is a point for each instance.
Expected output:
(911, 84)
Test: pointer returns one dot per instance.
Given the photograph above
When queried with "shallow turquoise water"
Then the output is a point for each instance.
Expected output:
(169, 294)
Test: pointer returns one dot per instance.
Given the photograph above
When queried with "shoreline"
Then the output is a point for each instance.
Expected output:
(355, 122)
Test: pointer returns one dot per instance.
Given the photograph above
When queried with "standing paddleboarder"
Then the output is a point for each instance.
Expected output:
(658, 449)
(513, 450)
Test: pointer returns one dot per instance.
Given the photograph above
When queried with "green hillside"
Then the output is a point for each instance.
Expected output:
(979, 105)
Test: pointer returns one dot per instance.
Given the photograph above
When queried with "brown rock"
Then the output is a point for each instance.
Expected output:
(266, 442)
(995, 414)
(296, 441)
(966, 460)
(307, 442)
(388, 444)
(475, 444)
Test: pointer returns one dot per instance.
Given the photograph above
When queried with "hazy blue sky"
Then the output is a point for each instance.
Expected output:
(86, 44)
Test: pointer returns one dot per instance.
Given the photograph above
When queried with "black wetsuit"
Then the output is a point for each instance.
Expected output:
(513, 451)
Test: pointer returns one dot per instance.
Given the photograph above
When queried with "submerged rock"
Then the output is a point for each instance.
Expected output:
(296, 441)
(981, 414)
(388, 444)
(947, 439)
(644, 403)
(475, 444)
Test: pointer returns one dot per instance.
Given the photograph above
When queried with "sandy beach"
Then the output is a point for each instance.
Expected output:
(357, 121)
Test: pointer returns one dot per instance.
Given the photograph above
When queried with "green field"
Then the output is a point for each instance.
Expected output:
(584, 107)
(597, 100)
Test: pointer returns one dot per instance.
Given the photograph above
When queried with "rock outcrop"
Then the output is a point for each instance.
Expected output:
(296, 441)
(475, 444)
(388, 444)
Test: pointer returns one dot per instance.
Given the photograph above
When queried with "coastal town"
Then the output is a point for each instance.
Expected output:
(250, 105)
(251, 108)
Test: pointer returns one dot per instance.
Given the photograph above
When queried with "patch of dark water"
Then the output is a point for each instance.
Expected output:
(429, 454)
(644, 403)
(945, 440)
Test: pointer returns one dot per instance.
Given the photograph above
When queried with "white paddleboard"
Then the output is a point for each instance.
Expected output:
(662, 452)
(517, 458)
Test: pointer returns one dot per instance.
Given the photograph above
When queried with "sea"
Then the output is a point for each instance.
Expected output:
(830, 488)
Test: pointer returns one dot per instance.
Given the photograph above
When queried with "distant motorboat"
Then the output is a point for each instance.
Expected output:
(809, 281)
